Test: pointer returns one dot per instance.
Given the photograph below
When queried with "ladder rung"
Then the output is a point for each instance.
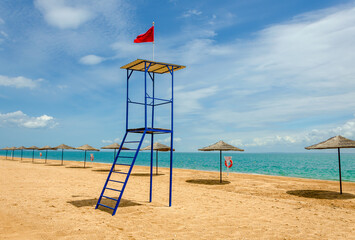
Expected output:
(113, 189)
(129, 149)
(119, 172)
(132, 142)
(116, 181)
(114, 199)
(122, 164)
(125, 157)
(106, 206)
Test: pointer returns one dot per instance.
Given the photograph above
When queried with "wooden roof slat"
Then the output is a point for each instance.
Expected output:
(156, 67)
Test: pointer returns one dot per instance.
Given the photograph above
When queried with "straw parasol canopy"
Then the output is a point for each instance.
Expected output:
(7, 149)
(113, 146)
(157, 147)
(47, 148)
(63, 146)
(333, 143)
(85, 148)
(33, 148)
(221, 146)
(21, 148)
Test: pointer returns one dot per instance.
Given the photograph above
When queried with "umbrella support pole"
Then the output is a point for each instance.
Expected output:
(62, 156)
(157, 162)
(220, 166)
(341, 189)
(84, 159)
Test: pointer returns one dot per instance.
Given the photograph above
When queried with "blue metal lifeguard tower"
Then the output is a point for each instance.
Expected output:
(114, 184)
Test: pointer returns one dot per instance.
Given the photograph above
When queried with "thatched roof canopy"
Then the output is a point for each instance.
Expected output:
(334, 142)
(32, 148)
(158, 147)
(63, 146)
(221, 146)
(87, 147)
(113, 146)
(47, 148)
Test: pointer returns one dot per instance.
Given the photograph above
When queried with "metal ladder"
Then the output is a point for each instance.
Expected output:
(114, 182)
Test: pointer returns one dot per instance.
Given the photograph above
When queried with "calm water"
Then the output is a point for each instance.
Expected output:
(304, 165)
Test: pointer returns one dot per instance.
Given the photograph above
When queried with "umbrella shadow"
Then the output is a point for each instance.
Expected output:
(208, 181)
(92, 202)
(146, 174)
(10, 160)
(321, 194)
(39, 163)
(103, 170)
(78, 167)
(55, 165)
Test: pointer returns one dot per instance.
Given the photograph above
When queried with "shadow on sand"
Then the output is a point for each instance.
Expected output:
(92, 202)
(103, 170)
(54, 165)
(39, 163)
(145, 174)
(208, 181)
(320, 194)
(78, 167)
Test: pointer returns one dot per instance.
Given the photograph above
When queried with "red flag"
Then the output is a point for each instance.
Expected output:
(146, 37)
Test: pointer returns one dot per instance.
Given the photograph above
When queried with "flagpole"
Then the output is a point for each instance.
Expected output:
(153, 45)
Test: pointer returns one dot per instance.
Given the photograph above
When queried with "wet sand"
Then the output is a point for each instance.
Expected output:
(49, 201)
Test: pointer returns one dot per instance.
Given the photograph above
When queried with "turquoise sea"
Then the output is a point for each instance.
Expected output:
(313, 165)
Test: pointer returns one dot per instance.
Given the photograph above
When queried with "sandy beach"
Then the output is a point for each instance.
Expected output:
(49, 201)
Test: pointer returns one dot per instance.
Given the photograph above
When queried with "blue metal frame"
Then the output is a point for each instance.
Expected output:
(146, 130)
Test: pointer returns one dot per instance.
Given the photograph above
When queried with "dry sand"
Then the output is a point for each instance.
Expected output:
(41, 201)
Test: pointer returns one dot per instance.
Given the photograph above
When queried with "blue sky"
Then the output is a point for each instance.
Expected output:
(265, 76)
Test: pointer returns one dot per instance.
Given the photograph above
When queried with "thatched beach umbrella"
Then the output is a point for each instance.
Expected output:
(114, 146)
(7, 149)
(157, 147)
(86, 148)
(21, 148)
(47, 148)
(63, 146)
(220, 146)
(13, 152)
(33, 148)
(333, 143)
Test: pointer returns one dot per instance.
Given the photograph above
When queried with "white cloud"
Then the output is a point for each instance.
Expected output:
(91, 60)
(189, 101)
(300, 70)
(167, 140)
(20, 119)
(60, 14)
(2, 21)
(303, 138)
(4, 34)
(116, 140)
(19, 82)
(191, 12)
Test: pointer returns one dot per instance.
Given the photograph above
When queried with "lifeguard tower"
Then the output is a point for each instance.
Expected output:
(117, 180)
